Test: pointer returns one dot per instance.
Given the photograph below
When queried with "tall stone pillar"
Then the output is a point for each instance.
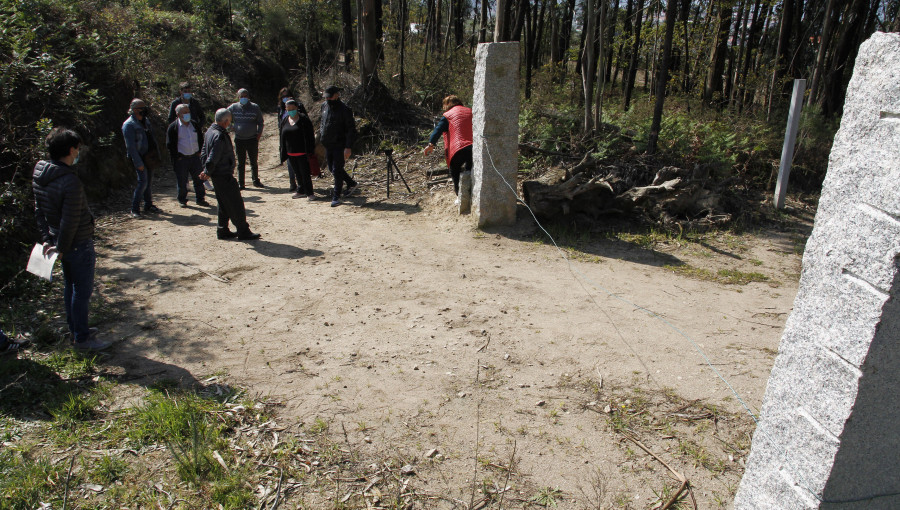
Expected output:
(495, 123)
(829, 435)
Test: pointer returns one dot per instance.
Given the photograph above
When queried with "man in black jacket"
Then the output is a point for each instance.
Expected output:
(66, 226)
(337, 130)
(217, 161)
(184, 138)
(186, 97)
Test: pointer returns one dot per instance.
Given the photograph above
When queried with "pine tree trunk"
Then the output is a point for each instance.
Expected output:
(601, 68)
(824, 42)
(671, 5)
(347, 28)
(587, 76)
(632, 64)
(782, 51)
(718, 53)
(624, 54)
(482, 31)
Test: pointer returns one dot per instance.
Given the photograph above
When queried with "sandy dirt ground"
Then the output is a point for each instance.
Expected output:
(405, 329)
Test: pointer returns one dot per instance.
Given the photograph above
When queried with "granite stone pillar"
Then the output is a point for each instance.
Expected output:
(829, 435)
(495, 122)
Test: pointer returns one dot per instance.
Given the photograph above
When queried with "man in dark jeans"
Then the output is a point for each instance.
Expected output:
(337, 130)
(184, 138)
(142, 152)
(217, 159)
(248, 128)
(66, 226)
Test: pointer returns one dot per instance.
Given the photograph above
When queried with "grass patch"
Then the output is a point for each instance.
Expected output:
(724, 276)
(109, 469)
(27, 480)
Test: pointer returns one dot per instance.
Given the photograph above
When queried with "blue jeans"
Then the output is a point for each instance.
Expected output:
(78, 273)
(142, 190)
(189, 166)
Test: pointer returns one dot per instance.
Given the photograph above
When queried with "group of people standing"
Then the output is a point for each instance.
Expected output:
(65, 220)
(185, 142)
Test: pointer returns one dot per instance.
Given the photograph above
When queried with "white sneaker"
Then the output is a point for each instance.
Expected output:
(208, 185)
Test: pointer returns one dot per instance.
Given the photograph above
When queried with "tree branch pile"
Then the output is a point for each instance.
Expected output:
(667, 195)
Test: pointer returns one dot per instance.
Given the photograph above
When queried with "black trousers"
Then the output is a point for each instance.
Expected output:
(231, 204)
(462, 158)
(189, 166)
(335, 159)
(245, 148)
(299, 167)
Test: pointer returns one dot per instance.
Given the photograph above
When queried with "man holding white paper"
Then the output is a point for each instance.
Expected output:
(66, 226)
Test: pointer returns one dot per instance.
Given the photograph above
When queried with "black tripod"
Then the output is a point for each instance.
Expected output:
(391, 166)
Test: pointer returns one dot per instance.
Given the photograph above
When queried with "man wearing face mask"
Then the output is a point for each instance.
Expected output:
(337, 130)
(217, 161)
(248, 128)
(142, 152)
(66, 225)
(186, 97)
(184, 138)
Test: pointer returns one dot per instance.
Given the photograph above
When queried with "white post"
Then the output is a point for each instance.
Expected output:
(790, 137)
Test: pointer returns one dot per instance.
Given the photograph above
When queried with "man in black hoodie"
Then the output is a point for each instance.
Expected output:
(337, 131)
(66, 226)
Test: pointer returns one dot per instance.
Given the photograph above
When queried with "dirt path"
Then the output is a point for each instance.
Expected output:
(395, 320)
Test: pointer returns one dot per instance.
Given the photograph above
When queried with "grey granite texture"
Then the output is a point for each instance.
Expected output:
(829, 434)
(495, 122)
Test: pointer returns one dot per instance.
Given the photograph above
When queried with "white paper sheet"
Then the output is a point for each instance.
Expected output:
(41, 265)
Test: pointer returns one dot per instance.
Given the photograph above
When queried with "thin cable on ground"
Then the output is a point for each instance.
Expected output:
(649, 312)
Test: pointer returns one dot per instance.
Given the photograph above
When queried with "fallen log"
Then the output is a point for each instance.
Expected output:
(667, 194)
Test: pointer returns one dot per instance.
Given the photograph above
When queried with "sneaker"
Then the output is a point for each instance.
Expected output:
(335, 203)
(152, 210)
(248, 236)
(12, 347)
(136, 215)
(92, 344)
(242, 187)
(298, 195)
(203, 203)
(91, 332)
(350, 190)
(258, 184)
(310, 197)
(208, 185)
(183, 204)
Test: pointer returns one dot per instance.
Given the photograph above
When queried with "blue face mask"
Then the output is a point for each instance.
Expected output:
(244, 100)
(187, 96)
(187, 117)
(77, 158)
(293, 113)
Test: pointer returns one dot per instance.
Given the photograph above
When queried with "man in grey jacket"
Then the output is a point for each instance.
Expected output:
(66, 225)
(217, 159)
(248, 128)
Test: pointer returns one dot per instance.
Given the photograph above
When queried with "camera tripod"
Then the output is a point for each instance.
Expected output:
(391, 166)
